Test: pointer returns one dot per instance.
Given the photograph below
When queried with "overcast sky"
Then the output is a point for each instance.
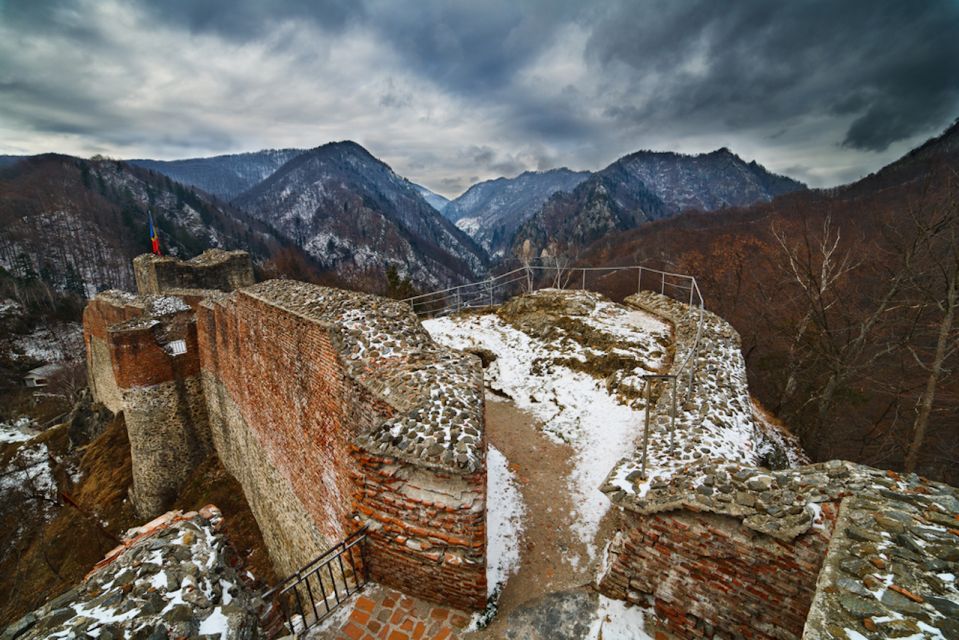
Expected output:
(449, 93)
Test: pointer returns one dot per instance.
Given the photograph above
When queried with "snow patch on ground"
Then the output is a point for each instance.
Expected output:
(9, 308)
(573, 406)
(469, 226)
(618, 620)
(52, 343)
(505, 511)
(19, 430)
(28, 476)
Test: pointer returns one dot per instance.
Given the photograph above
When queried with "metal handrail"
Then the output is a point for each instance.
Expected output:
(315, 569)
(441, 298)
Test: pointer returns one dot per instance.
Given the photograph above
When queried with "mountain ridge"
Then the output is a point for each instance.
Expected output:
(224, 176)
(648, 185)
(351, 211)
(491, 210)
(66, 218)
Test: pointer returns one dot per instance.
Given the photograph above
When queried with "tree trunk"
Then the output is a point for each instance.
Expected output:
(935, 371)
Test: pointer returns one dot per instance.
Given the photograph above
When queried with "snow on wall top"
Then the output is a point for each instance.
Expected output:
(170, 578)
(715, 424)
(437, 392)
(890, 570)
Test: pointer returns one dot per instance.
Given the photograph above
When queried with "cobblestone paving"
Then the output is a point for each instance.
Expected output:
(383, 613)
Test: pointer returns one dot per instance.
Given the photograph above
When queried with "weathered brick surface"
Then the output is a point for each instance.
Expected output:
(332, 409)
(290, 535)
(709, 576)
(294, 413)
(286, 412)
(140, 350)
(427, 529)
(163, 403)
(100, 313)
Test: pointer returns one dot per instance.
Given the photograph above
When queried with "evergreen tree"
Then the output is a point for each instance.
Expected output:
(74, 281)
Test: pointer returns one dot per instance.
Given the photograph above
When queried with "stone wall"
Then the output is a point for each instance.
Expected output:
(142, 359)
(891, 566)
(156, 367)
(336, 410)
(213, 269)
(708, 576)
(282, 414)
(174, 577)
(736, 551)
(106, 309)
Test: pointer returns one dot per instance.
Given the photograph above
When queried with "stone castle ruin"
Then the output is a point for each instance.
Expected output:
(335, 410)
(721, 548)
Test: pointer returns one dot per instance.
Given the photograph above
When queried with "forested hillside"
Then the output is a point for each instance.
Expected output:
(846, 302)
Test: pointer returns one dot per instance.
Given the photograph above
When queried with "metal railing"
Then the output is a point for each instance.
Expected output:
(313, 593)
(530, 277)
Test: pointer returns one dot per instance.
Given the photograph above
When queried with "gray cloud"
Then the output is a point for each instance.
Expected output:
(451, 92)
(756, 63)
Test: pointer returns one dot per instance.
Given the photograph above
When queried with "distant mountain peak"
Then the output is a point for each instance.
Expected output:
(344, 145)
(351, 212)
(490, 211)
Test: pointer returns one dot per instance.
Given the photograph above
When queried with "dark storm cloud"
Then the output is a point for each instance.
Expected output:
(466, 46)
(244, 19)
(457, 90)
(891, 65)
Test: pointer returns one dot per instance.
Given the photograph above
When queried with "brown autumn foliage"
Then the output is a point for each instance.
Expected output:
(842, 298)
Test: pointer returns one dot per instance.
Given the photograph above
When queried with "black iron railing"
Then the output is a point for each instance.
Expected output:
(313, 593)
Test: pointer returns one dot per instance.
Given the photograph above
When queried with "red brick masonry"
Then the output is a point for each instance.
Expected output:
(298, 388)
(706, 574)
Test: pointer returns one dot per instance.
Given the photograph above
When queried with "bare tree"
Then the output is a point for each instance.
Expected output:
(558, 258)
(526, 256)
(938, 288)
(817, 268)
(844, 343)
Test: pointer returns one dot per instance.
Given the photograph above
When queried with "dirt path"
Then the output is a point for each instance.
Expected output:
(552, 558)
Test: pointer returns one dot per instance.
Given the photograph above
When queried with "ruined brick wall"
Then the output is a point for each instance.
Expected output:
(707, 575)
(332, 409)
(427, 529)
(282, 415)
(100, 313)
(213, 269)
(162, 399)
(320, 404)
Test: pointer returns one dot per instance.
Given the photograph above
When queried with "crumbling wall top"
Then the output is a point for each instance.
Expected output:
(890, 570)
(213, 269)
(782, 504)
(437, 392)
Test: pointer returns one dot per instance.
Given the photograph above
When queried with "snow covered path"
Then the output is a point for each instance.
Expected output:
(573, 407)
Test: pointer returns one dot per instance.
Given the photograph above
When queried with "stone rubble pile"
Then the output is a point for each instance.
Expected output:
(171, 578)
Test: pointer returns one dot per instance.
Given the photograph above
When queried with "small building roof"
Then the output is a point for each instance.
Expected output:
(45, 371)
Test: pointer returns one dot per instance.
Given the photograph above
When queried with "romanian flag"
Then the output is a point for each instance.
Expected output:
(154, 236)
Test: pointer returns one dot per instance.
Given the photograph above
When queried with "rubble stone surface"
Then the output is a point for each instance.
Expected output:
(171, 578)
